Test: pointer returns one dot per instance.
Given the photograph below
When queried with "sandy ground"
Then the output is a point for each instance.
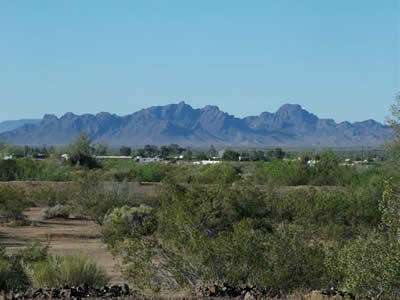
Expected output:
(64, 235)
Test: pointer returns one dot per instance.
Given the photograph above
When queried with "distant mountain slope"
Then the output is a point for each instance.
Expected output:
(179, 123)
(11, 125)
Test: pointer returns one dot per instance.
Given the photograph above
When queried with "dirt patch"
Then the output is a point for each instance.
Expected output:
(64, 236)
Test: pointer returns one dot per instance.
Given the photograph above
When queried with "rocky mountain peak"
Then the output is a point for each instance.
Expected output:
(180, 123)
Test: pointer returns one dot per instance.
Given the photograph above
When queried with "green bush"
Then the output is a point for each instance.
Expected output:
(58, 211)
(327, 171)
(370, 267)
(214, 233)
(33, 253)
(13, 277)
(95, 198)
(20, 223)
(224, 173)
(48, 196)
(28, 169)
(126, 221)
(150, 172)
(12, 202)
(281, 173)
(71, 269)
(8, 170)
(214, 174)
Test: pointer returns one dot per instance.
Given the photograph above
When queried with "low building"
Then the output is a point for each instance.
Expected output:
(113, 157)
(206, 162)
(140, 159)
(312, 163)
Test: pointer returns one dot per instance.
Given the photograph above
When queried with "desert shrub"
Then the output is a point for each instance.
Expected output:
(281, 173)
(12, 202)
(58, 211)
(28, 169)
(43, 274)
(220, 173)
(44, 196)
(223, 173)
(76, 269)
(118, 170)
(304, 270)
(71, 269)
(20, 223)
(150, 172)
(117, 164)
(119, 175)
(53, 171)
(332, 175)
(33, 253)
(327, 171)
(95, 198)
(13, 276)
(214, 233)
(51, 196)
(334, 214)
(8, 170)
(371, 267)
(125, 221)
(292, 206)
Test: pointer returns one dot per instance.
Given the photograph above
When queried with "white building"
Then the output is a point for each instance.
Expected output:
(206, 162)
(140, 159)
(113, 157)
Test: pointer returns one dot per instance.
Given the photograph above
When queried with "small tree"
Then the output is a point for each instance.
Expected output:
(201, 156)
(277, 153)
(392, 149)
(151, 150)
(101, 149)
(165, 151)
(212, 152)
(125, 151)
(96, 199)
(80, 152)
(12, 276)
(8, 170)
(257, 155)
(12, 202)
(230, 155)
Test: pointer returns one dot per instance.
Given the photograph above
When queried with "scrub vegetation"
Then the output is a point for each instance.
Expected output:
(284, 224)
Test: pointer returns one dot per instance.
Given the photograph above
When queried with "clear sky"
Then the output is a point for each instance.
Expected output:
(338, 59)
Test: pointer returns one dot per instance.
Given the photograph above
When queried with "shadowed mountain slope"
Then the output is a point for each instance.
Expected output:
(11, 125)
(179, 123)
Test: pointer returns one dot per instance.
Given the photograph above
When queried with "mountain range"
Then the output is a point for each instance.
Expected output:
(290, 126)
(10, 125)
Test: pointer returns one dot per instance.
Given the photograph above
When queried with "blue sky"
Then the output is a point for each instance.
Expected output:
(338, 59)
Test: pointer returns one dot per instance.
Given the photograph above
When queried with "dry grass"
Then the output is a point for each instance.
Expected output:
(65, 236)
